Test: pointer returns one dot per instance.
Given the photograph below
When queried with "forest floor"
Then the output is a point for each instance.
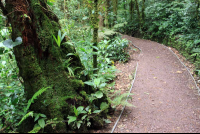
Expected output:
(165, 96)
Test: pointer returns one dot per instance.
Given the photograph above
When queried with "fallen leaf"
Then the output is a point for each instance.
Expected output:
(155, 77)
(146, 93)
(124, 120)
(179, 72)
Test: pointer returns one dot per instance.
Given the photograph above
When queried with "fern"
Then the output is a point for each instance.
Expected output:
(29, 103)
(121, 100)
(35, 130)
(38, 93)
(25, 117)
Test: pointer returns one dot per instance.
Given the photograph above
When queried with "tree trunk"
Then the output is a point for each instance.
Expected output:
(40, 61)
(138, 12)
(143, 8)
(106, 13)
(131, 9)
(115, 5)
(125, 14)
(95, 34)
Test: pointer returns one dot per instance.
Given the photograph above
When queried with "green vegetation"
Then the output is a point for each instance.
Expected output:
(57, 57)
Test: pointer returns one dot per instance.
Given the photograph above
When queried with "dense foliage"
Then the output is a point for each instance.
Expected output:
(175, 23)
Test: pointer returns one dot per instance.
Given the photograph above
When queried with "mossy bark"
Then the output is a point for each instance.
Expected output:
(40, 61)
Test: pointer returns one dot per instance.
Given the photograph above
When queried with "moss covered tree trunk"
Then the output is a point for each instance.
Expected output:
(131, 9)
(107, 23)
(138, 12)
(143, 14)
(115, 6)
(40, 61)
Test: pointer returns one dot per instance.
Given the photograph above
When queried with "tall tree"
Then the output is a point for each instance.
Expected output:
(143, 8)
(131, 9)
(115, 7)
(138, 12)
(40, 61)
(107, 5)
(95, 34)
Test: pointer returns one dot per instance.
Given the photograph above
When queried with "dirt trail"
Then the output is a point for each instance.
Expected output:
(165, 96)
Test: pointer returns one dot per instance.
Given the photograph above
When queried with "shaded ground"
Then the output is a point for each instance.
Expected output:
(165, 97)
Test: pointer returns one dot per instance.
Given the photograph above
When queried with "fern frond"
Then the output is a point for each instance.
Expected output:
(38, 93)
(25, 117)
(35, 130)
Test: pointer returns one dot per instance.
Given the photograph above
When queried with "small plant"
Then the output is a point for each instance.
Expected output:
(59, 38)
(75, 119)
(41, 121)
(83, 116)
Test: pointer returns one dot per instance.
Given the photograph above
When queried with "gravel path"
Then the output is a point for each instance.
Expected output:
(165, 97)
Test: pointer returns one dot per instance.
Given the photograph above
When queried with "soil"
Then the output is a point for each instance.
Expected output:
(165, 96)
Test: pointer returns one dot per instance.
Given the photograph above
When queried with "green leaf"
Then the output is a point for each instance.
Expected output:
(50, 4)
(59, 40)
(8, 94)
(59, 34)
(80, 108)
(87, 108)
(196, 50)
(10, 44)
(36, 117)
(79, 124)
(71, 119)
(99, 94)
(63, 36)
(75, 111)
(42, 115)
(83, 117)
(103, 106)
(84, 18)
(89, 83)
(69, 54)
(97, 111)
(107, 120)
(55, 39)
(14, 99)
(102, 85)
(97, 82)
(41, 122)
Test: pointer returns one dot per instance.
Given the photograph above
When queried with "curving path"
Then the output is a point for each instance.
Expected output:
(165, 97)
